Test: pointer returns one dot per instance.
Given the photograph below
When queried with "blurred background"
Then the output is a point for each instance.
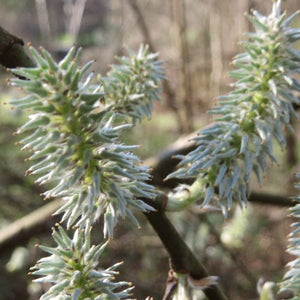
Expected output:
(196, 40)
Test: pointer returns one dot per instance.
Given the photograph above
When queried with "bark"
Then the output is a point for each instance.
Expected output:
(291, 146)
(182, 260)
(12, 53)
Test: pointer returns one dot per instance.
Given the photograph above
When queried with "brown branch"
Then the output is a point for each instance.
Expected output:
(182, 259)
(270, 199)
(164, 163)
(12, 53)
(22, 230)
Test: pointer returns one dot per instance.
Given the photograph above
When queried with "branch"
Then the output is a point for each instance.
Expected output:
(22, 230)
(181, 257)
(164, 163)
(141, 23)
(12, 53)
(180, 24)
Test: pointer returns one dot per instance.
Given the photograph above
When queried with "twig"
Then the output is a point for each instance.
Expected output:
(182, 259)
(12, 53)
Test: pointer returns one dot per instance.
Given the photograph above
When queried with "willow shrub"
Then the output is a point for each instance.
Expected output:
(73, 134)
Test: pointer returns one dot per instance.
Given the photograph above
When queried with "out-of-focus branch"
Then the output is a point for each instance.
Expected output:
(43, 20)
(216, 50)
(74, 11)
(142, 23)
(22, 230)
(169, 92)
(182, 45)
